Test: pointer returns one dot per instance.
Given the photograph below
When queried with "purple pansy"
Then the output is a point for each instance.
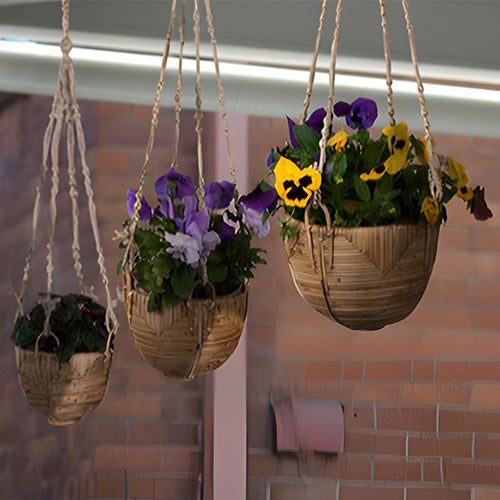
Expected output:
(144, 210)
(478, 205)
(254, 222)
(361, 113)
(315, 121)
(260, 200)
(270, 158)
(218, 194)
(226, 232)
(173, 183)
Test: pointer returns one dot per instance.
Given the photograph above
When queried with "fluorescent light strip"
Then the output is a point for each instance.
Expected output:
(250, 71)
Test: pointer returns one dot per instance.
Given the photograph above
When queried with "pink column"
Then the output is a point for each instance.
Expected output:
(225, 469)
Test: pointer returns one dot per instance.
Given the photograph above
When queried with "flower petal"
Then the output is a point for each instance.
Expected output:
(341, 108)
(260, 200)
(144, 209)
(218, 194)
(173, 183)
(478, 206)
(293, 140)
(316, 119)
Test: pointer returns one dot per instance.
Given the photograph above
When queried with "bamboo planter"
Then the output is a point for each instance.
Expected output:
(63, 392)
(189, 339)
(364, 278)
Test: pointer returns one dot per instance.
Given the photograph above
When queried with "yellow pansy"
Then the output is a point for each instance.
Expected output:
(338, 141)
(375, 174)
(457, 173)
(293, 184)
(396, 162)
(430, 208)
(424, 157)
(397, 137)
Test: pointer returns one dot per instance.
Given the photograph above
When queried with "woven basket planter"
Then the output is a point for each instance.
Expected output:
(364, 278)
(63, 392)
(189, 339)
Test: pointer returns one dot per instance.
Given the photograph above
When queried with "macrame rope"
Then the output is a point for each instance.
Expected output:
(434, 181)
(388, 70)
(328, 118)
(312, 71)
(222, 102)
(179, 85)
(198, 114)
(154, 123)
(65, 111)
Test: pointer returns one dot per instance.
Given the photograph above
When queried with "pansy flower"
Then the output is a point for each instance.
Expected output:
(375, 173)
(145, 212)
(361, 113)
(478, 208)
(218, 194)
(338, 141)
(174, 184)
(430, 208)
(399, 145)
(295, 185)
(457, 173)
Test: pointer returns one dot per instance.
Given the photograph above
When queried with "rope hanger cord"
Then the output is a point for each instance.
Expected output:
(434, 181)
(65, 114)
(198, 113)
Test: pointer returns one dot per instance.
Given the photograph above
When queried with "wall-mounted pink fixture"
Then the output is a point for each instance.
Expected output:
(308, 424)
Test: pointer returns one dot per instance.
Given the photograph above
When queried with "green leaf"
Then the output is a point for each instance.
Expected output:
(182, 281)
(362, 190)
(307, 138)
(153, 301)
(119, 267)
(217, 273)
(339, 167)
(162, 264)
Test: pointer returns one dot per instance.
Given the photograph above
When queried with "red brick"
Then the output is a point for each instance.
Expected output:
(176, 488)
(113, 109)
(470, 421)
(175, 460)
(440, 447)
(486, 293)
(431, 471)
(298, 491)
(423, 370)
(460, 317)
(131, 404)
(451, 394)
(471, 473)
(367, 392)
(486, 238)
(487, 447)
(437, 494)
(401, 470)
(486, 396)
(481, 493)
(455, 236)
(407, 419)
(352, 370)
(110, 432)
(111, 159)
(323, 370)
(388, 370)
(164, 433)
(467, 370)
(374, 443)
(110, 486)
(447, 290)
(360, 417)
(487, 318)
(371, 492)
(141, 487)
(114, 457)
(353, 467)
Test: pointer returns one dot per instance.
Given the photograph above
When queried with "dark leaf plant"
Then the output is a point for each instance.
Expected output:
(76, 324)
(365, 181)
(191, 245)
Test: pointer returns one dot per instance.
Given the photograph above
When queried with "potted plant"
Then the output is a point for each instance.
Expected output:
(362, 214)
(63, 354)
(186, 270)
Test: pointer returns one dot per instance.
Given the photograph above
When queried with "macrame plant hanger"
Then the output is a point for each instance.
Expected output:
(64, 392)
(322, 287)
(200, 315)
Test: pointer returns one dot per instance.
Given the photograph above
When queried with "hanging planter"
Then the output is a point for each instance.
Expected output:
(187, 262)
(364, 213)
(64, 344)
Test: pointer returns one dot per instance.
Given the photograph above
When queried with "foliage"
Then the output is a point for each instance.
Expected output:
(77, 321)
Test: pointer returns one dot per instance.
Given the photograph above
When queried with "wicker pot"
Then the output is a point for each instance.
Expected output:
(189, 339)
(63, 392)
(365, 278)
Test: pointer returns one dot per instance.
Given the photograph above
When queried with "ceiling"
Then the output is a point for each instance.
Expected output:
(457, 43)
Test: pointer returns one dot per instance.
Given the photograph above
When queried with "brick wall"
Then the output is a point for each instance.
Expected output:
(422, 397)
(146, 434)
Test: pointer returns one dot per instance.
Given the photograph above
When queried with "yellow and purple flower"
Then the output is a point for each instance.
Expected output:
(294, 185)
(338, 141)
(398, 142)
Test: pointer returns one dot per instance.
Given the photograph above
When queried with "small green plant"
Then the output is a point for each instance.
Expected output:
(76, 324)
